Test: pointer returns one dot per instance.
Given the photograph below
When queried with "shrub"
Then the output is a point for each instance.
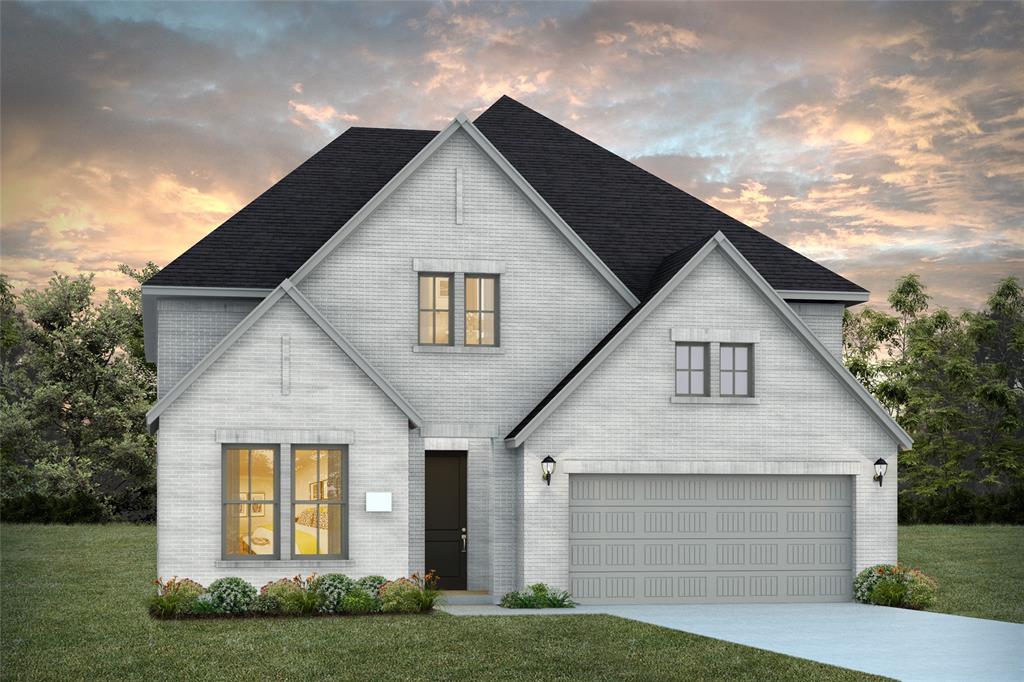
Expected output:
(358, 601)
(538, 596)
(330, 590)
(174, 597)
(203, 605)
(267, 604)
(372, 584)
(895, 585)
(888, 592)
(400, 596)
(232, 595)
(293, 595)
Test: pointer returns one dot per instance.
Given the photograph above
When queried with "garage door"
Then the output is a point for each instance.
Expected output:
(682, 539)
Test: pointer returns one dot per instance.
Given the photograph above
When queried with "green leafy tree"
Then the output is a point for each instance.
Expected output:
(76, 388)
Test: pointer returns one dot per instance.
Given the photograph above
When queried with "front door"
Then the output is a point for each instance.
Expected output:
(445, 518)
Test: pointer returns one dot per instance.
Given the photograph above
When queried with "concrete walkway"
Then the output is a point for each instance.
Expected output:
(906, 645)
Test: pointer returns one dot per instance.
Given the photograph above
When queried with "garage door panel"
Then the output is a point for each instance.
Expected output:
(752, 522)
(705, 555)
(677, 538)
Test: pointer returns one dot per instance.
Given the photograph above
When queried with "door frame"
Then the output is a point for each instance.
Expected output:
(462, 455)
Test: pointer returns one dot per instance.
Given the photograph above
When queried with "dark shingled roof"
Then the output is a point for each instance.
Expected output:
(279, 230)
(631, 219)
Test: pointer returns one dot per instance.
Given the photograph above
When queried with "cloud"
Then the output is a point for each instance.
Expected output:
(879, 138)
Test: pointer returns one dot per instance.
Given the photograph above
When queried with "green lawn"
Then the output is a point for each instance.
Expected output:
(980, 569)
(73, 609)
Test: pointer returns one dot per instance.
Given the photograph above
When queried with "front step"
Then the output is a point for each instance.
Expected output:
(463, 597)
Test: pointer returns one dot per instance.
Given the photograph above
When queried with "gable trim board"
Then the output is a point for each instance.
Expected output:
(847, 297)
(636, 317)
(287, 288)
(461, 122)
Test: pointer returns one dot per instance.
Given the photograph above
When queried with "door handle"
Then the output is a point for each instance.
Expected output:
(463, 540)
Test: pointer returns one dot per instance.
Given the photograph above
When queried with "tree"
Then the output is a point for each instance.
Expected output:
(76, 388)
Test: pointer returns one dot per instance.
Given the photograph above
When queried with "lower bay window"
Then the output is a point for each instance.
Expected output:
(250, 476)
(320, 502)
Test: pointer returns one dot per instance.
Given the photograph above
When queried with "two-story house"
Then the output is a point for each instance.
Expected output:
(504, 353)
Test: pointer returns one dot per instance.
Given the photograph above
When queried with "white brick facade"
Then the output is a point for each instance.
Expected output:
(554, 307)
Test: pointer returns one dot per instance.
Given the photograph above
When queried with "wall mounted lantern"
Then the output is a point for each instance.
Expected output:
(880, 467)
(547, 467)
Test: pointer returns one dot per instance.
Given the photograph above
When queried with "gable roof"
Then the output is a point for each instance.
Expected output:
(633, 319)
(286, 288)
(629, 218)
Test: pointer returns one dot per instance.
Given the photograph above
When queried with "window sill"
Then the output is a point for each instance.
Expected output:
(465, 350)
(713, 400)
(271, 563)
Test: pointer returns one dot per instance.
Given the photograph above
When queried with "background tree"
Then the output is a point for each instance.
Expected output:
(76, 388)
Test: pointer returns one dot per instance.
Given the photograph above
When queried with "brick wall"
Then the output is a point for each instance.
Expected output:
(805, 421)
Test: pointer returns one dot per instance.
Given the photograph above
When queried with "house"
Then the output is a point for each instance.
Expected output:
(501, 352)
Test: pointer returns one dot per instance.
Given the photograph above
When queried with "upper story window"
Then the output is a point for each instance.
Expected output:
(435, 309)
(691, 369)
(249, 509)
(481, 310)
(320, 502)
(736, 369)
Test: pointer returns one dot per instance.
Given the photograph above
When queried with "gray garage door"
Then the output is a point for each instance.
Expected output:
(682, 539)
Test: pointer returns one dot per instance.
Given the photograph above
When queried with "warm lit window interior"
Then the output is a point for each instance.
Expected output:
(481, 310)
(735, 371)
(691, 369)
(249, 508)
(319, 504)
(435, 309)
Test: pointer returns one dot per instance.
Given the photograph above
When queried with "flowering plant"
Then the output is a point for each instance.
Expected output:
(895, 585)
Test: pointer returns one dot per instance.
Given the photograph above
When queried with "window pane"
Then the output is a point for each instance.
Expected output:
(262, 519)
(306, 531)
(741, 383)
(472, 329)
(727, 383)
(236, 461)
(330, 528)
(441, 328)
(426, 327)
(236, 529)
(262, 475)
(682, 383)
(425, 285)
(726, 356)
(472, 293)
(697, 383)
(441, 298)
(487, 337)
(487, 297)
(697, 357)
(305, 475)
(741, 357)
(682, 357)
(330, 474)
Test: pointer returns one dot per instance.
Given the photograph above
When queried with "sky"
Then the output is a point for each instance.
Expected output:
(876, 138)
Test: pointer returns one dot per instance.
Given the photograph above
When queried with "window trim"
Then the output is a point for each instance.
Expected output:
(707, 368)
(344, 504)
(224, 502)
(433, 295)
(496, 312)
(749, 371)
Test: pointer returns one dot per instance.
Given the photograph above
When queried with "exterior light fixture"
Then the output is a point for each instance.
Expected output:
(547, 467)
(880, 467)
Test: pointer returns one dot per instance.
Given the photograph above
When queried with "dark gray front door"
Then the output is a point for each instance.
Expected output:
(445, 518)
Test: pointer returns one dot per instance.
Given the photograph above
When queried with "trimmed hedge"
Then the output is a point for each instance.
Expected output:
(964, 507)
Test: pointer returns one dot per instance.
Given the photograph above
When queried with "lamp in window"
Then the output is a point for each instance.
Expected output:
(547, 467)
(880, 468)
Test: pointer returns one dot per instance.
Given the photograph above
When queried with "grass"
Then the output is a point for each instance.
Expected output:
(73, 609)
(980, 569)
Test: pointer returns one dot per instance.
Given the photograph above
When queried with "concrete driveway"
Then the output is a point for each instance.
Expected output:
(907, 645)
